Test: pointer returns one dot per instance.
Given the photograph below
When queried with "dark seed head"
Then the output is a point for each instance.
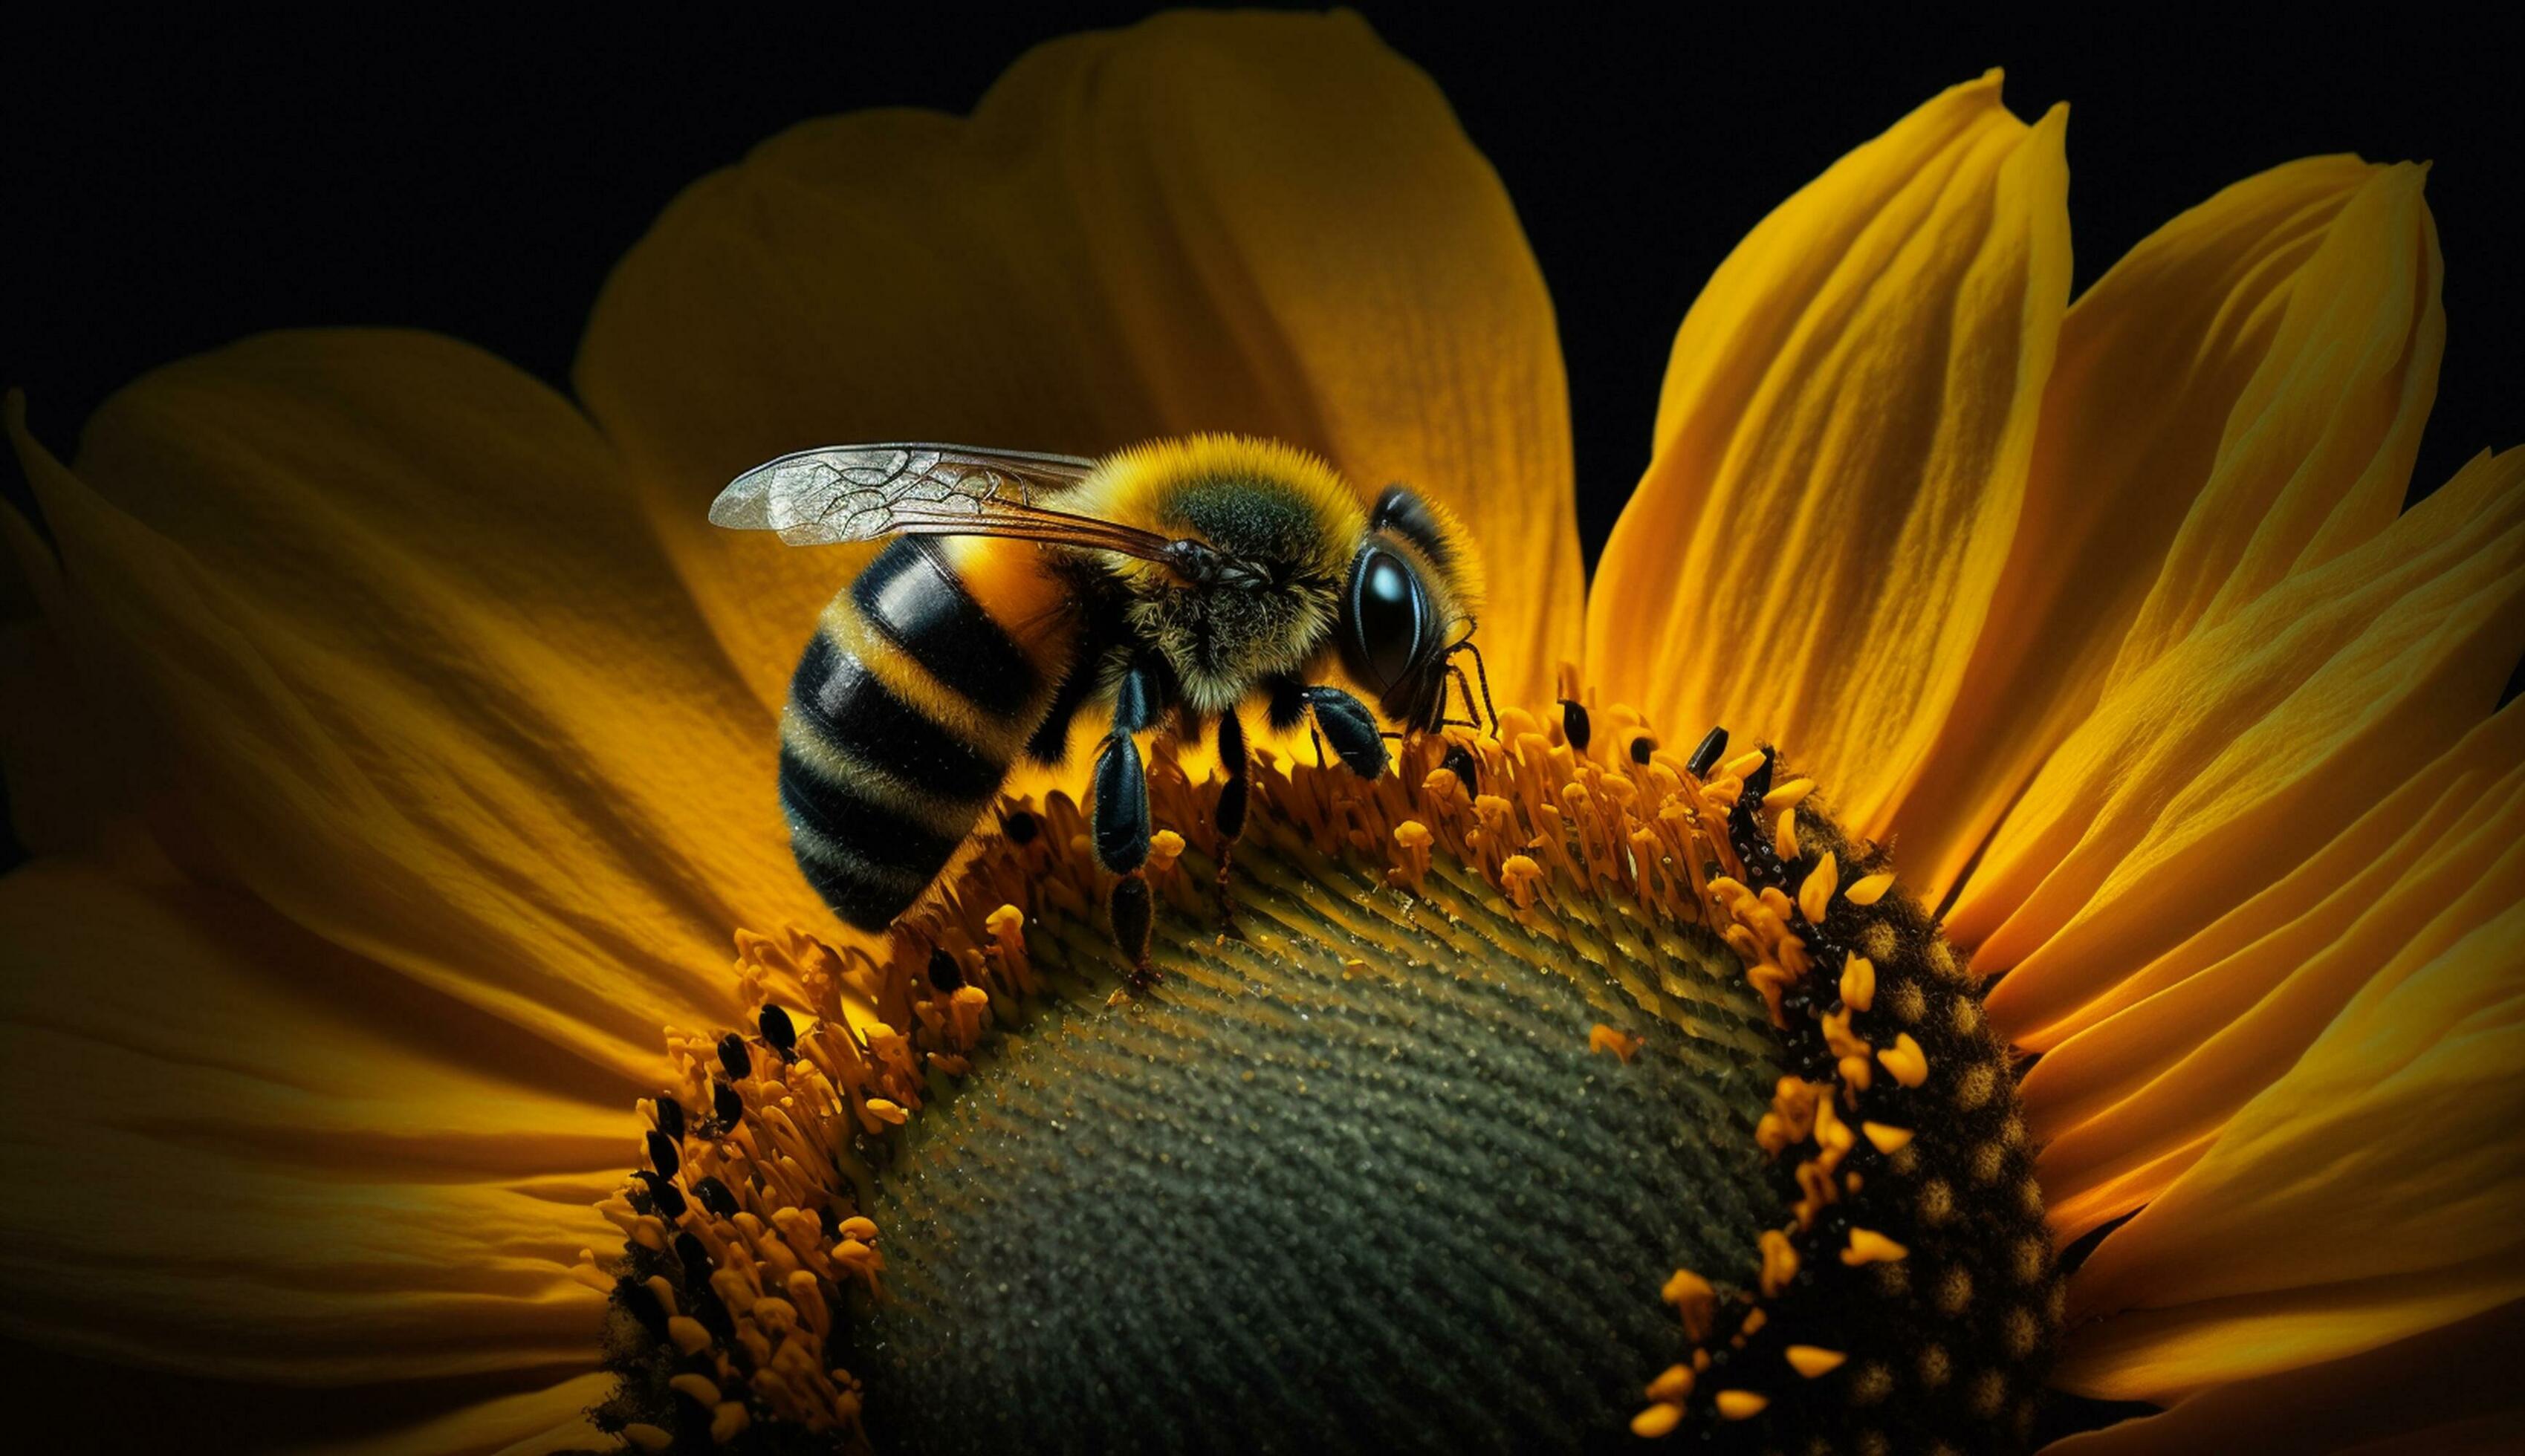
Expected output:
(1706, 757)
(663, 1154)
(733, 1056)
(1019, 827)
(1573, 724)
(671, 1116)
(727, 1105)
(780, 1030)
(1468, 770)
(716, 1197)
(944, 973)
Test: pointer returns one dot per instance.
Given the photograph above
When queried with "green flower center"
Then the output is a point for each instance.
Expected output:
(1327, 1171)
(1558, 1089)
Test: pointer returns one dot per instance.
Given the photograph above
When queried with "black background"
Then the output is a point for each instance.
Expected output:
(174, 185)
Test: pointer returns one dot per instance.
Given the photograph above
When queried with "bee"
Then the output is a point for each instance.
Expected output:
(1020, 591)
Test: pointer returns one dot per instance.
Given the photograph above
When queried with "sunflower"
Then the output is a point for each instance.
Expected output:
(393, 740)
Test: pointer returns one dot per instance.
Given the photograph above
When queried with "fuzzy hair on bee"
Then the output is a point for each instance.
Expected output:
(1021, 591)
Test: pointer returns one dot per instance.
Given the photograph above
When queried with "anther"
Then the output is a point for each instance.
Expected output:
(1905, 1060)
(1871, 889)
(695, 1259)
(1642, 746)
(664, 1196)
(671, 1116)
(725, 1104)
(944, 974)
(716, 1197)
(1740, 1405)
(734, 1055)
(1574, 725)
(663, 1155)
(1461, 762)
(1706, 757)
(780, 1030)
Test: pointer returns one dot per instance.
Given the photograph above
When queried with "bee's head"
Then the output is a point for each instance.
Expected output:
(1408, 604)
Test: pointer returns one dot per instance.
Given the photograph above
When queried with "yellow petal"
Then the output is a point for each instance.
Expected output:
(2449, 1392)
(1841, 449)
(2243, 393)
(1266, 223)
(233, 1177)
(2368, 1195)
(2146, 1074)
(2206, 778)
(388, 646)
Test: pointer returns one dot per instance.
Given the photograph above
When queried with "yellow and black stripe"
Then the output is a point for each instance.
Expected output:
(924, 680)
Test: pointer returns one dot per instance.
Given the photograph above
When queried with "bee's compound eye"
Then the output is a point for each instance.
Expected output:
(1388, 616)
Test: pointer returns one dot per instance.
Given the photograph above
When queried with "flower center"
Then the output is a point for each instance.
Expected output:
(1555, 1083)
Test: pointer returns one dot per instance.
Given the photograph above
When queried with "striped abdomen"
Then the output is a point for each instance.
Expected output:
(924, 681)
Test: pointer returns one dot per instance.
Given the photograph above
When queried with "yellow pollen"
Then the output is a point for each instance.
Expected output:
(1858, 982)
(1165, 846)
(1784, 834)
(1888, 1141)
(1742, 1405)
(1904, 1061)
(1673, 1385)
(1779, 1262)
(1695, 1301)
(1867, 1246)
(1814, 897)
(1789, 795)
(1623, 1045)
(1871, 889)
(1658, 1420)
(1741, 765)
(1811, 1361)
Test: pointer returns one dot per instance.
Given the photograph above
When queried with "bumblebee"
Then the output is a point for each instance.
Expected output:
(1020, 591)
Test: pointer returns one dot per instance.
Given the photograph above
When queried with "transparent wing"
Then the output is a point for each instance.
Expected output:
(867, 492)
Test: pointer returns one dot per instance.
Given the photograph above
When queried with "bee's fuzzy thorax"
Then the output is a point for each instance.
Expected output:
(1260, 502)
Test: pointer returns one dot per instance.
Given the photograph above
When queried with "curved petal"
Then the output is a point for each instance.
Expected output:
(2205, 778)
(233, 1177)
(2240, 394)
(2368, 1195)
(2447, 1393)
(381, 639)
(2148, 1073)
(1267, 223)
(1840, 450)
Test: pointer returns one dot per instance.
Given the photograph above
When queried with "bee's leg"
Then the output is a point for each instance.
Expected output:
(1120, 821)
(1229, 817)
(1351, 727)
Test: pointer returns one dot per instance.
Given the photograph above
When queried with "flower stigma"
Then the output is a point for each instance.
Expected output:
(1555, 1085)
